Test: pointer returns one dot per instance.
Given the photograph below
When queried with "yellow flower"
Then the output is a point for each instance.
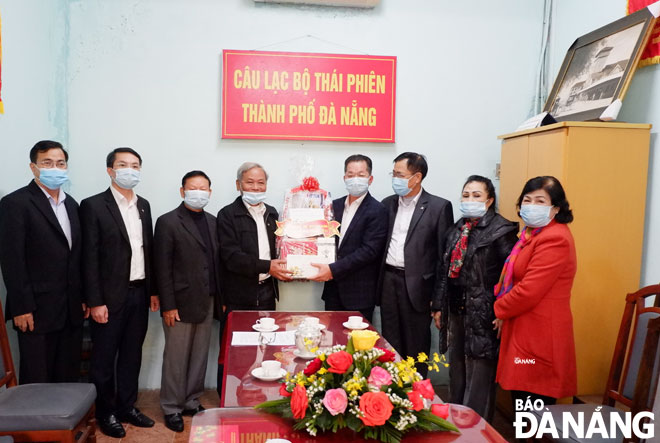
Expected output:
(422, 357)
(364, 340)
(321, 357)
(322, 371)
(436, 358)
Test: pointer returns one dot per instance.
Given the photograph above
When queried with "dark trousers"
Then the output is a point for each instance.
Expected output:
(52, 357)
(405, 328)
(117, 354)
(333, 302)
(471, 380)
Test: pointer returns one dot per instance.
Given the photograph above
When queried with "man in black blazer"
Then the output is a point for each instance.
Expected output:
(117, 242)
(186, 265)
(352, 280)
(40, 258)
(418, 222)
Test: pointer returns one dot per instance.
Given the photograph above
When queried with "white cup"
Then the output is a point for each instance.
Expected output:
(311, 321)
(266, 322)
(270, 368)
(354, 321)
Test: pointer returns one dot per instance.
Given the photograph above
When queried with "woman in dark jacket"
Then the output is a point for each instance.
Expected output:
(463, 306)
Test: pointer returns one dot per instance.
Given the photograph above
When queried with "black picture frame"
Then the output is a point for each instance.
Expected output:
(598, 67)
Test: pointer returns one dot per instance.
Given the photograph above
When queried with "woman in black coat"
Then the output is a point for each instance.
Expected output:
(475, 252)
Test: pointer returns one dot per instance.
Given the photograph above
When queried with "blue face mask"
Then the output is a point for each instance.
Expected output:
(357, 186)
(253, 198)
(196, 198)
(473, 209)
(53, 178)
(535, 216)
(400, 186)
(127, 178)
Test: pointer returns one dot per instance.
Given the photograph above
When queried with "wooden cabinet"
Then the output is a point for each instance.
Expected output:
(603, 168)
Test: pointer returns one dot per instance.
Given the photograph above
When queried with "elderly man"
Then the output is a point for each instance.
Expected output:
(40, 243)
(186, 264)
(246, 233)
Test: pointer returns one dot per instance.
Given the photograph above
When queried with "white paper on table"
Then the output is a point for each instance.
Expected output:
(249, 338)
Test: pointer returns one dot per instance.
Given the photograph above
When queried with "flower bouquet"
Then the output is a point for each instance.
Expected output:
(362, 388)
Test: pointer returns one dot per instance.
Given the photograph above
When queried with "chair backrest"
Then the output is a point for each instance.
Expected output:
(7, 372)
(647, 379)
(627, 360)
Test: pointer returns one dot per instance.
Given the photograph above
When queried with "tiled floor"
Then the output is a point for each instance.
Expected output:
(148, 403)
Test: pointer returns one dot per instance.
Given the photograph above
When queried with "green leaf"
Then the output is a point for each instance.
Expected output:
(349, 346)
(273, 403)
(324, 421)
(353, 423)
(441, 423)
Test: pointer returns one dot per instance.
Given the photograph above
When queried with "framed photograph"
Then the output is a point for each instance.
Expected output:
(598, 68)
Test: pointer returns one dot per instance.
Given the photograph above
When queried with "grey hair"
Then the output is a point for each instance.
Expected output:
(245, 167)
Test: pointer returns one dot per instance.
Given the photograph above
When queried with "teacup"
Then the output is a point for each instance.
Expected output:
(354, 321)
(266, 322)
(270, 368)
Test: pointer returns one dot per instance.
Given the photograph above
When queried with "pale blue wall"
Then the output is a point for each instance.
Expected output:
(147, 74)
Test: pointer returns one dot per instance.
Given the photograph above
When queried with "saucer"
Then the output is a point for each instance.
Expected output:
(257, 327)
(258, 373)
(297, 353)
(363, 325)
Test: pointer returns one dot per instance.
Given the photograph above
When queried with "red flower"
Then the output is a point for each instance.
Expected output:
(388, 356)
(441, 410)
(425, 388)
(339, 362)
(312, 367)
(299, 401)
(376, 407)
(416, 398)
(283, 391)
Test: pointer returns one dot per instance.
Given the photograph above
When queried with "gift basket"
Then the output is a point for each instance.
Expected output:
(306, 230)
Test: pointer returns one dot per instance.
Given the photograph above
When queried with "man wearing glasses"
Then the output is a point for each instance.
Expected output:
(415, 244)
(40, 244)
(117, 243)
(352, 280)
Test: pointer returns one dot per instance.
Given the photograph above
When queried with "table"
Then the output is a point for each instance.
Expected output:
(239, 387)
(236, 425)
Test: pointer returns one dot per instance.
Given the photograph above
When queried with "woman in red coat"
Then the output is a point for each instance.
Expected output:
(537, 351)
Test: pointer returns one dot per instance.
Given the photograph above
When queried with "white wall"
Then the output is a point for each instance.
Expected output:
(147, 74)
(640, 105)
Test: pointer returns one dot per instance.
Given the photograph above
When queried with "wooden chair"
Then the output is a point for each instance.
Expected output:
(633, 378)
(43, 411)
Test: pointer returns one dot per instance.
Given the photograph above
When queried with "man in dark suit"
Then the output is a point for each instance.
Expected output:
(418, 222)
(40, 258)
(117, 242)
(186, 265)
(352, 280)
(246, 233)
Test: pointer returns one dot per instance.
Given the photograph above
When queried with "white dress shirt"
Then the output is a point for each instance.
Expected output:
(131, 216)
(349, 213)
(60, 212)
(257, 213)
(395, 255)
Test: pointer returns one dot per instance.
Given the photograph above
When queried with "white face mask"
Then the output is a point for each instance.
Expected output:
(196, 198)
(127, 178)
(473, 209)
(536, 216)
(357, 186)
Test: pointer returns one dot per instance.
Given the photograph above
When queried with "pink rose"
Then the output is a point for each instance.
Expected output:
(335, 401)
(441, 410)
(425, 388)
(379, 377)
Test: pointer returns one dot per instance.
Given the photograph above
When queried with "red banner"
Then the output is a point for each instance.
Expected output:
(651, 54)
(300, 96)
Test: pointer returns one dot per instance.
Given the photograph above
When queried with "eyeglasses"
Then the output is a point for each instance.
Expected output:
(48, 164)
(399, 175)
